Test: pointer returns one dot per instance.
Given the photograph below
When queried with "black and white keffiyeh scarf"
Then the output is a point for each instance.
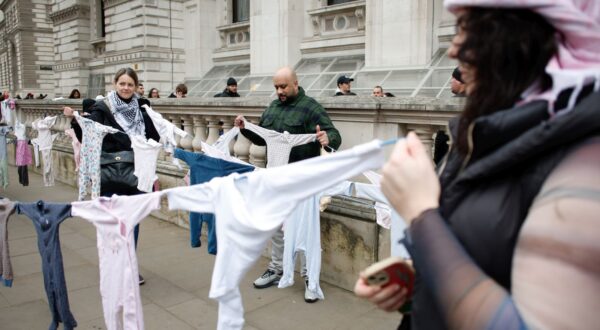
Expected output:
(128, 116)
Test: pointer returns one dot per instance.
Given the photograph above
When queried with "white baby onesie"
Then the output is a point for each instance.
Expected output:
(166, 129)
(303, 233)
(250, 207)
(146, 156)
(115, 219)
(91, 149)
(224, 140)
(279, 145)
(382, 205)
(20, 131)
(43, 143)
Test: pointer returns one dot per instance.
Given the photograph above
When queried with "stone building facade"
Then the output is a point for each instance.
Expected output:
(53, 46)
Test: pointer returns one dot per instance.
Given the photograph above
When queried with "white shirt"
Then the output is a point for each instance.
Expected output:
(250, 207)
(145, 153)
(166, 130)
(44, 139)
(20, 131)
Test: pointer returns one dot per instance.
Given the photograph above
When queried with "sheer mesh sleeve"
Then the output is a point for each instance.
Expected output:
(467, 298)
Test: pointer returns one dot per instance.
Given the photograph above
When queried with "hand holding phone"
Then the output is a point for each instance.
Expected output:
(393, 270)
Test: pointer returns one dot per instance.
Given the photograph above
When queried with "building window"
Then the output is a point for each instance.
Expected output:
(241, 10)
(337, 2)
(102, 18)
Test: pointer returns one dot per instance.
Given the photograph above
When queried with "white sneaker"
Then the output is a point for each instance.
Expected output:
(309, 296)
(267, 279)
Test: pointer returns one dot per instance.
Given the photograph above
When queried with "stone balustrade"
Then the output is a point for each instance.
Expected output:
(351, 239)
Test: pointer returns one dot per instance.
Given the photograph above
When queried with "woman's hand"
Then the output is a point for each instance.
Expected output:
(409, 181)
(68, 112)
(239, 121)
(390, 298)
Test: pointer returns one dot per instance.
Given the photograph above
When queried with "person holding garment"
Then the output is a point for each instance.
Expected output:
(491, 237)
(121, 109)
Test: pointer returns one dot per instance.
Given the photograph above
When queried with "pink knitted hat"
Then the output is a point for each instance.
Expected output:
(577, 62)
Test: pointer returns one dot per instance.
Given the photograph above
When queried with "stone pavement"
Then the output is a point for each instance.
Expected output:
(175, 295)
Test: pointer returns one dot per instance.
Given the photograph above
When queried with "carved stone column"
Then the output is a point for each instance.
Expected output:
(186, 142)
(227, 126)
(199, 132)
(213, 130)
(425, 133)
(258, 155)
(241, 148)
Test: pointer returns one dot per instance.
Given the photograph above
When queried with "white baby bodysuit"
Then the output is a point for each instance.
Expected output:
(250, 207)
(20, 131)
(43, 143)
(146, 156)
(166, 129)
(224, 140)
(115, 219)
(279, 145)
(303, 233)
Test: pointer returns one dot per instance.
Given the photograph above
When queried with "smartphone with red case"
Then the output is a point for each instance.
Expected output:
(393, 270)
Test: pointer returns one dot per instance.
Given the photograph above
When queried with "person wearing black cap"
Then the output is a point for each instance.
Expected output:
(457, 85)
(344, 83)
(230, 90)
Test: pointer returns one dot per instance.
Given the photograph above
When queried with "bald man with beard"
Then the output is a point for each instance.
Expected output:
(295, 112)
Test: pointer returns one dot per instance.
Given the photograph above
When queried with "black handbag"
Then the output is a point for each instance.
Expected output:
(116, 172)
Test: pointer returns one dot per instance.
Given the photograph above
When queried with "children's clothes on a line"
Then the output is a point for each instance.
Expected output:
(115, 219)
(165, 128)
(302, 233)
(398, 225)
(91, 149)
(3, 156)
(76, 147)
(20, 131)
(23, 153)
(7, 112)
(224, 140)
(43, 143)
(279, 145)
(250, 207)
(7, 208)
(204, 168)
(46, 218)
(215, 152)
(145, 153)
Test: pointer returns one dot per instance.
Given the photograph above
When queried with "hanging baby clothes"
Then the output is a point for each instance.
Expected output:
(23, 153)
(46, 219)
(279, 145)
(4, 156)
(383, 209)
(203, 169)
(303, 234)
(212, 151)
(250, 207)
(165, 129)
(145, 154)
(225, 140)
(7, 112)
(43, 143)
(7, 208)
(76, 147)
(91, 149)
(115, 219)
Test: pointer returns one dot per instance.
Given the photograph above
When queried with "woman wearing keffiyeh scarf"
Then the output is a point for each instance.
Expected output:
(507, 236)
(121, 109)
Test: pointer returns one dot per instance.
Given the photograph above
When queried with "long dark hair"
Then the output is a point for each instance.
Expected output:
(509, 50)
(127, 71)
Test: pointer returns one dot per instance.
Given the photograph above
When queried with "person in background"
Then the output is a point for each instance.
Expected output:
(378, 91)
(75, 94)
(457, 85)
(344, 83)
(141, 91)
(230, 90)
(294, 112)
(153, 93)
(125, 114)
(440, 146)
(507, 237)
(180, 92)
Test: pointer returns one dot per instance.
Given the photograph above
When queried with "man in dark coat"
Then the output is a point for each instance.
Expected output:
(230, 90)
